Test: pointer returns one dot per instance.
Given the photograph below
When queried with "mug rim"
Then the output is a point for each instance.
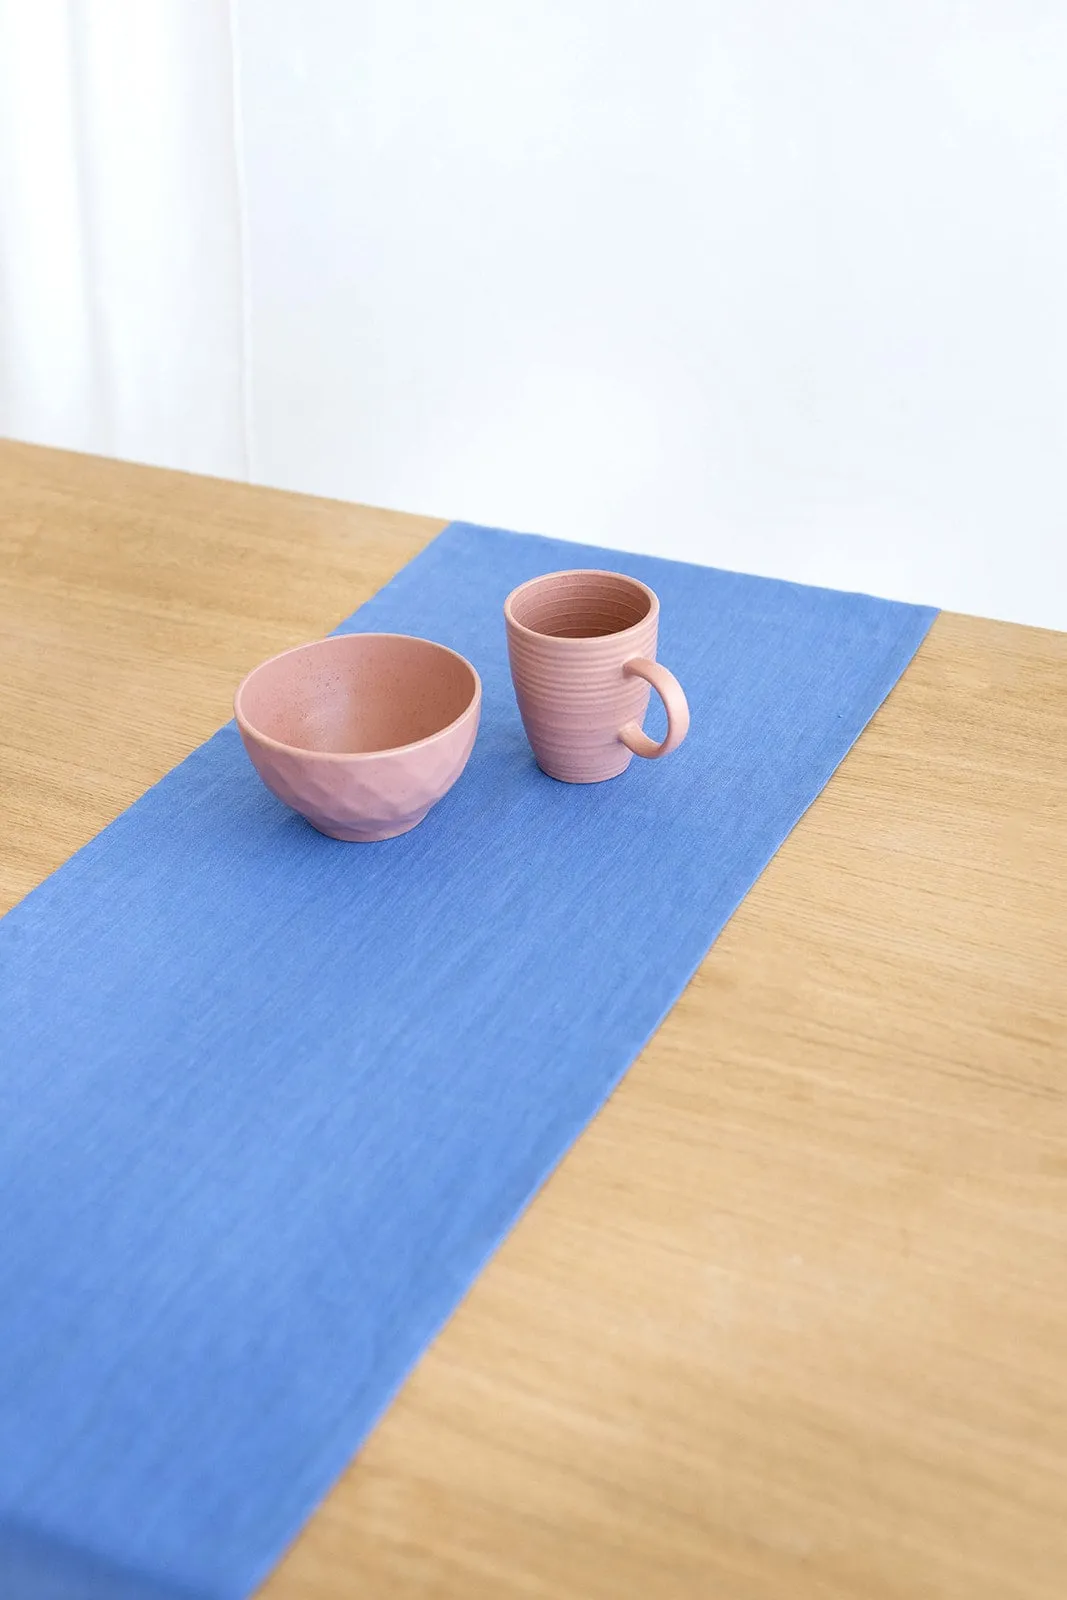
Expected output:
(581, 572)
(254, 733)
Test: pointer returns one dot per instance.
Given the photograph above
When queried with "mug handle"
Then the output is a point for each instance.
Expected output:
(675, 704)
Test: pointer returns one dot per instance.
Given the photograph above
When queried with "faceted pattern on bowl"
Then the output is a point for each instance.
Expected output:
(366, 797)
(361, 733)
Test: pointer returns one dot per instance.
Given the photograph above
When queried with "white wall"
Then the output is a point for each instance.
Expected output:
(778, 284)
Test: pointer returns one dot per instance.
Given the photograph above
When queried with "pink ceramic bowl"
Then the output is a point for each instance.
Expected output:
(363, 732)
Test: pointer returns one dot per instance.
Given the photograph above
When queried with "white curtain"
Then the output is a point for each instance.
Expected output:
(121, 292)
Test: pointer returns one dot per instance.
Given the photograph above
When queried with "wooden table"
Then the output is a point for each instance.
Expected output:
(790, 1321)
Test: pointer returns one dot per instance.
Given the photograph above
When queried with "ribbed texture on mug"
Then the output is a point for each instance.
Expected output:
(569, 636)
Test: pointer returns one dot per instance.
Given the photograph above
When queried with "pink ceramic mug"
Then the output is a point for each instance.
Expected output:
(583, 654)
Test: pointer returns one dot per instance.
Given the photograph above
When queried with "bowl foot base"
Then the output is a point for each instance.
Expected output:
(369, 834)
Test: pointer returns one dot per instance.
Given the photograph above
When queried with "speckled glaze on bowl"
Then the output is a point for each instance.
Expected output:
(362, 732)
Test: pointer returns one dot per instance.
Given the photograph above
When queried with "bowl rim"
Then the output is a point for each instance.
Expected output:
(249, 728)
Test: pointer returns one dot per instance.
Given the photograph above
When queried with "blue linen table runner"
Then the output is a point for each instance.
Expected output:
(268, 1102)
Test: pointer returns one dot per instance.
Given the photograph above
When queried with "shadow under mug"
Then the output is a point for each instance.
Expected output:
(582, 647)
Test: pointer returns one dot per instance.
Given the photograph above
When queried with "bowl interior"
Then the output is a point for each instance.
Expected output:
(357, 693)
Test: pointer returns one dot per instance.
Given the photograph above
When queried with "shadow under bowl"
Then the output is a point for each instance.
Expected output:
(361, 733)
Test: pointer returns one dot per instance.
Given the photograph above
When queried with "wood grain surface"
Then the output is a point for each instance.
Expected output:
(790, 1321)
